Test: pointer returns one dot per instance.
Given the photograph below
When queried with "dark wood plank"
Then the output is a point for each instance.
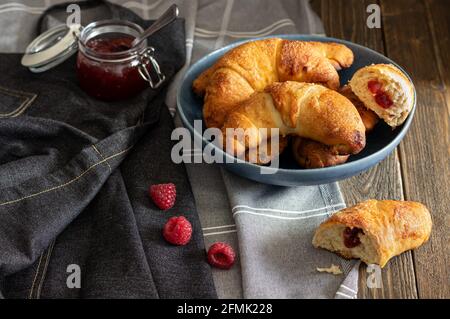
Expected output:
(347, 20)
(316, 5)
(417, 37)
(438, 14)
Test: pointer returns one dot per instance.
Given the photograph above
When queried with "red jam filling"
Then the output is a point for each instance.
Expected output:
(105, 45)
(351, 238)
(109, 80)
(381, 97)
(374, 87)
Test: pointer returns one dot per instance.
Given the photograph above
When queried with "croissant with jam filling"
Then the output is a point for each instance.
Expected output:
(375, 231)
(384, 89)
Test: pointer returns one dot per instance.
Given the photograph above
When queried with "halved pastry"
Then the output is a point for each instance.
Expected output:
(375, 231)
(384, 89)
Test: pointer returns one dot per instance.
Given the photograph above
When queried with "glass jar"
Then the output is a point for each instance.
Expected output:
(108, 68)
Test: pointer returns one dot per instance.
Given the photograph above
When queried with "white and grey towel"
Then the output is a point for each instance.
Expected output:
(270, 226)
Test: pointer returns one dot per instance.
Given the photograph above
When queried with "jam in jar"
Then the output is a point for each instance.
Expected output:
(108, 67)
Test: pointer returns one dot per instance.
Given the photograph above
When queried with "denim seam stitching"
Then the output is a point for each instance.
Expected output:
(30, 295)
(101, 155)
(22, 107)
(66, 183)
(44, 271)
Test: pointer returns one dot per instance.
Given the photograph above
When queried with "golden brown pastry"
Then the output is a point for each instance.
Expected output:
(375, 231)
(384, 89)
(300, 109)
(264, 155)
(252, 66)
(369, 118)
(312, 154)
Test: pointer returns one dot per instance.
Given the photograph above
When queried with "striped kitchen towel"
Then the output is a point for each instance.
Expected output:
(275, 226)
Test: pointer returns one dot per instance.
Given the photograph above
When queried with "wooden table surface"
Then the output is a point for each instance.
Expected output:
(415, 34)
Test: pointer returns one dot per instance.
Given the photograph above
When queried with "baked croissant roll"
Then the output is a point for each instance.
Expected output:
(300, 109)
(384, 89)
(252, 66)
(369, 118)
(265, 155)
(375, 231)
(312, 154)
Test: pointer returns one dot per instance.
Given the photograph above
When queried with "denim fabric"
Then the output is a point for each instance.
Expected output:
(74, 174)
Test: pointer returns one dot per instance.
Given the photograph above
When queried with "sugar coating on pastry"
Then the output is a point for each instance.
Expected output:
(386, 90)
(252, 66)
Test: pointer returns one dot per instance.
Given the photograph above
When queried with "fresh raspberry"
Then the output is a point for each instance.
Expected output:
(178, 231)
(221, 255)
(163, 195)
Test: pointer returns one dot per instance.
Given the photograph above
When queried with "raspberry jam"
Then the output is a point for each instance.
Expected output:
(374, 86)
(107, 70)
(381, 97)
(113, 45)
(383, 100)
(351, 238)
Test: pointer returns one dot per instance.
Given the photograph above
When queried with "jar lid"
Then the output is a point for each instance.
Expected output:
(51, 48)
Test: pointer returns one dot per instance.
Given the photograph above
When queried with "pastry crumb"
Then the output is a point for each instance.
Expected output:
(333, 269)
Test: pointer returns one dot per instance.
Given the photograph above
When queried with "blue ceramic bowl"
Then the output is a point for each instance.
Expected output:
(380, 142)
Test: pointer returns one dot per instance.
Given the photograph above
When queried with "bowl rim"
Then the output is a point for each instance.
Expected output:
(301, 171)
